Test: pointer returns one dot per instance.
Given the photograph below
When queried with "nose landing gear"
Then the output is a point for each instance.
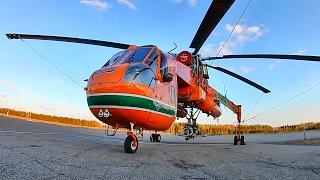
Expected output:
(131, 142)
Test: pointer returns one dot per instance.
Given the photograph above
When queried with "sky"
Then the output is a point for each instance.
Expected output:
(28, 83)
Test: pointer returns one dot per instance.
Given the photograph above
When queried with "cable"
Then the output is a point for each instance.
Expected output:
(56, 67)
(288, 100)
(234, 27)
(254, 105)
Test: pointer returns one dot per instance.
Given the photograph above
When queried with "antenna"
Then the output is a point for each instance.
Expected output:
(175, 47)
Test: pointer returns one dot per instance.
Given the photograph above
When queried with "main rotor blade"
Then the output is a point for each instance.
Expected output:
(240, 78)
(268, 56)
(68, 39)
(216, 11)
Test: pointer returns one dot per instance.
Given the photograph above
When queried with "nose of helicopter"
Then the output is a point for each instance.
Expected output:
(116, 101)
(109, 74)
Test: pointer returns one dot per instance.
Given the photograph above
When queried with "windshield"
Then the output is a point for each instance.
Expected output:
(128, 56)
(119, 58)
(139, 55)
(140, 73)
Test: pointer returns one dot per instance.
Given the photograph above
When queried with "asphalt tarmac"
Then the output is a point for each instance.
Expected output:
(30, 150)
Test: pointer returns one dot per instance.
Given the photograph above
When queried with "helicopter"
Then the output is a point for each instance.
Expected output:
(144, 88)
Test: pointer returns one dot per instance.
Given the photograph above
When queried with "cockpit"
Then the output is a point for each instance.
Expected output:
(129, 56)
(143, 64)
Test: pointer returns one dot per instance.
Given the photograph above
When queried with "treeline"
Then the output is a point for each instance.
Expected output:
(207, 129)
(210, 129)
(300, 127)
(49, 118)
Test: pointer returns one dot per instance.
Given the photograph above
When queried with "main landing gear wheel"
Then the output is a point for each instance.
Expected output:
(155, 137)
(242, 141)
(235, 140)
(130, 144)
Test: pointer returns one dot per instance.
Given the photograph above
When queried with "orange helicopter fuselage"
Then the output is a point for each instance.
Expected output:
(118, 102)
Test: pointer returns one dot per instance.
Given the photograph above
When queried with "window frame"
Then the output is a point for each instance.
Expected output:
(156, 62)
(164, 70)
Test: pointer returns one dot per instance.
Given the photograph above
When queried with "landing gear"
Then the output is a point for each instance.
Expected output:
(154, 137)
(139, 134)
(235, 140)
(131, 142)
(238, 137)
(189, 132)
(191, 129)
(242, 141)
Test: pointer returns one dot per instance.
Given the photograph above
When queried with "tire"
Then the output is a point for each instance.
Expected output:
(154, 137)
(242, 141)
(235, 140)
(128, 148)
(158, 139)
(151, 138)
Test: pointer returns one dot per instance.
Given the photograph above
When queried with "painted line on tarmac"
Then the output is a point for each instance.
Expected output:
(62, 134)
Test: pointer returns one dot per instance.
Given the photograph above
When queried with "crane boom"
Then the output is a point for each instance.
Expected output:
(230, 105)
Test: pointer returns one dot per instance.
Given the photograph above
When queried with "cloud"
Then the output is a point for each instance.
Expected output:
(100, 4)
(209, 50)
(274, 65)
(127, 3)
(300, 52)
(246, 69)
(191, 3)
(241, 35)
(3, 95)
(244, 33)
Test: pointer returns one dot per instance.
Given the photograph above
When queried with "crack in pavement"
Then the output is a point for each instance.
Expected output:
(291, 167)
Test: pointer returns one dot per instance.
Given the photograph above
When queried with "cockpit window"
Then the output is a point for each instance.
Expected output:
(113, 58)
(163, 65)
(140, 73)
(119, 58)
(152, 61)
(128, 56)
(139, 54)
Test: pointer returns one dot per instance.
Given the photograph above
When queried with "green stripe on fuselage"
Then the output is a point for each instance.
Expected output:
(131, 101)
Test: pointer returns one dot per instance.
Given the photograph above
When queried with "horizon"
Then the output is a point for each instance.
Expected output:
(29, 84)
(309, 122)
